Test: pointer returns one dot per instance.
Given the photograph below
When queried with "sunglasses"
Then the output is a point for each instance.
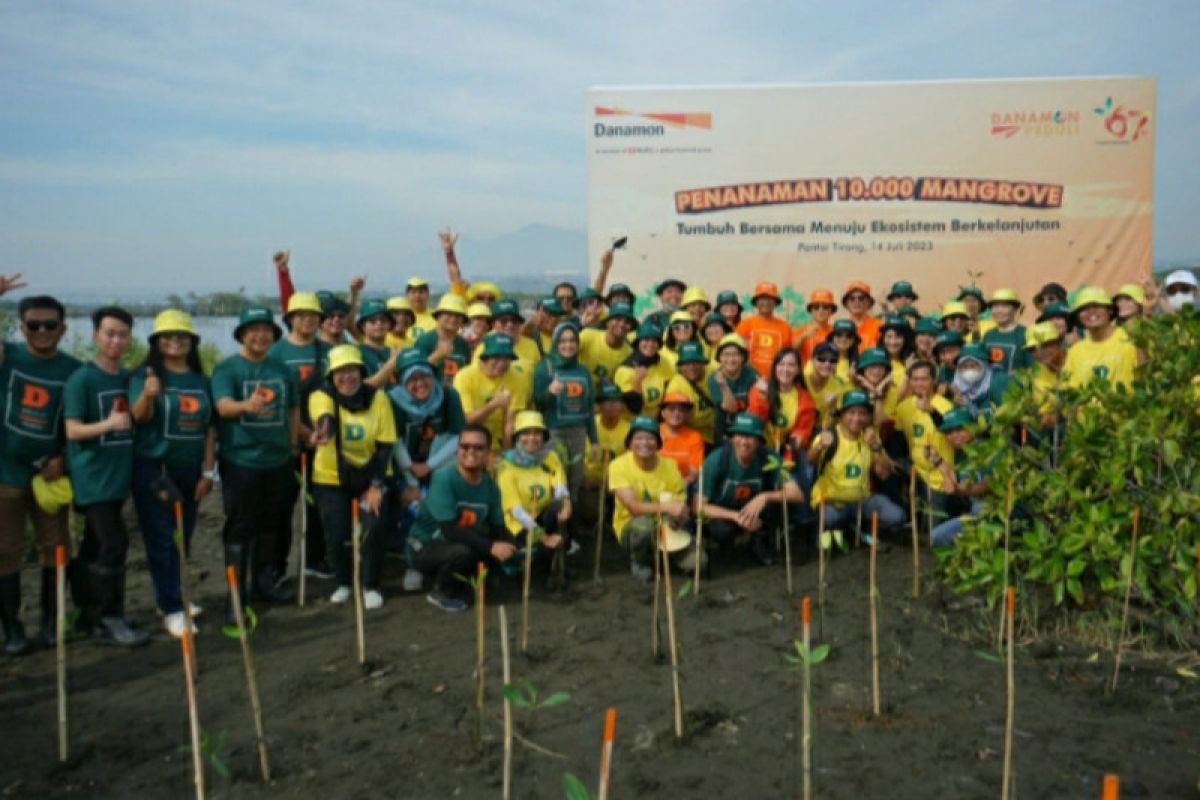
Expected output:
(1174, 290)
(826, 360)
(853, 297)
(822, 307)
(472, 448)
(48, 325)
(681, 324)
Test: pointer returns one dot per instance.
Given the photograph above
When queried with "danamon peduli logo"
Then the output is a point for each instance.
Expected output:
(1035, 123)
(1123, 124)
(648, 124)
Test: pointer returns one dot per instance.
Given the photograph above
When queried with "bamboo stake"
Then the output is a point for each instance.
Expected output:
(1112, 788)
(1137, 513)
(673, 642)
(189, 683)
(610, 729)
(508, 720)
(480, 656)
(787, 539)
(60, 623)
(929, 512)
(821, 570)
(600, 520)
(526, 578)
(1008, 507)
(916, 539)
(874, 617)
(1010, 606)
(858, 526)
(248, 663)
(303, 528)
(184, 594)
(655, 650)
(356, 535)
(699, 530)
(805, 710)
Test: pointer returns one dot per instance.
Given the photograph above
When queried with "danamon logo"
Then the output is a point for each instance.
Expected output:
(656, 124)
(1035, 123)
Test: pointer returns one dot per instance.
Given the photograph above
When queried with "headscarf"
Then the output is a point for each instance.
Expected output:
(417, 411)
(555, 358)
(520, 457)
(973, 391)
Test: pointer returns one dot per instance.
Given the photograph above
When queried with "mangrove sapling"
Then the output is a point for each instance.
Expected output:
(806, 657)
(1137, 512)
(673, 642)
(211, 752)
(525, 696)
(248, 664)
(478, 586)
(1008, 790)
(575, 789)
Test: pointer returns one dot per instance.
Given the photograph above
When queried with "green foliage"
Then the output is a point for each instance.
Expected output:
(575, 788)
(812, 656)
(211, 752)
(234, 631)
(684, 589)
(1075, 492)
(526, 696)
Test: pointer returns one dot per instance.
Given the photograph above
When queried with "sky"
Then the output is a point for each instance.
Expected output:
(150, 146)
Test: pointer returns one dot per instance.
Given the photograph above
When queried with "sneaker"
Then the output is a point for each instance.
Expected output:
(882, 547)
(446, 603)
(117, 630)
(574, 548)
(372, 599)
(321, 571)
(413, 580)
(176, 624)
(341, 595)
(196, 611)
(642, 572)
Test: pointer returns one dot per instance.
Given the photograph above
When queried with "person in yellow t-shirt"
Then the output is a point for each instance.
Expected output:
(602, 350)
(416, 291)
(1102, 354)
(1046, 343)
(612, 426)
(823, 383)
(875, 377)
(644, 375)
(353, 434)
(845, 458)
(691, 365)
(648, 486)
(533, 486)
(491, 391)
(917, 418)
(400, 336)
(507, 319)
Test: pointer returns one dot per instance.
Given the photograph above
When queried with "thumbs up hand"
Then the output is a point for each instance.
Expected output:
(153, 385)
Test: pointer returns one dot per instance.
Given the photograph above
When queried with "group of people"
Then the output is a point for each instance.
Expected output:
(473, 429)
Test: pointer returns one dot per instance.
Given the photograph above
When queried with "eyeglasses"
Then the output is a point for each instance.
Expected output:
(1180, 289)
(681, 324)
(472, 448)
(48, 325)
(822, 307)
(859, 297)
(825, 360)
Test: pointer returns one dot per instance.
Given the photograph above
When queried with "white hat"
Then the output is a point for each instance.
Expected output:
(1183, 276)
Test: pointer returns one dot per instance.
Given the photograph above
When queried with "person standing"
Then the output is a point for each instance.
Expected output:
(765, 334)
(603, 350)
(100, 460)
(257, 404)
(1101, 354)
(730, 383)
(858, 301)
(174, 446)
(806, 337)
(1005, 341)
(644, 375)
(33, 378)
(446, 351)
(492, 392)
(379, 358)
(562, 392)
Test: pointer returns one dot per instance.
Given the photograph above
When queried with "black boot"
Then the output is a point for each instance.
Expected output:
(79, 584)
(48, 635)
(268, 585)
(15, 643)
(111, 625)
(235, 556)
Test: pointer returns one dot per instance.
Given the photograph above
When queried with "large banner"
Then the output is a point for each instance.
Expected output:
(1003, 183)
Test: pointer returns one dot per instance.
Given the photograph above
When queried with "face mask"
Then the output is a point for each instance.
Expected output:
(971, 375)
(1178, 301)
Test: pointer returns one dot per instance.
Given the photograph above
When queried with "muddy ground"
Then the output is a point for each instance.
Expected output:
(404, 726)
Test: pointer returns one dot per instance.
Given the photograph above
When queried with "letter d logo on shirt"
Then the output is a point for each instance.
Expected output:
(34, 397)
(355, 432)
(853, 471)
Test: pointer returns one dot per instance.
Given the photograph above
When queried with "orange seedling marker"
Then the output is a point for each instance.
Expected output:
(189, 680)
(610, 730)
(1010, 606)
(875, 704)
(1112, 788)
(60, 645)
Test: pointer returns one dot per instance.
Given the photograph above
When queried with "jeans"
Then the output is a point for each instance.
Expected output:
(845, 516)
(334, 505)
(157, 521)
(945, 534)
(254, 503)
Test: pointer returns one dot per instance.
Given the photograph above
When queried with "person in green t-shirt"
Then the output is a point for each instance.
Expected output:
(730, 383)
(100, 459)
(33, 377)
(741, 496)
(373, 325)
(174, 451)
(461, 522)
(1005, 342)
(257, 404)
(446, 350)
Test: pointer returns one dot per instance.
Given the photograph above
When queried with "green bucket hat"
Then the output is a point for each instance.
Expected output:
(1054, 311)
(909, 312)
(616, 289)
(410, 359)
(252, 314)
(371, 308)
(746, 424)
(873, 357)
(507, 307)
(332, 304)
(621, 309)
(608, 391)
(691, 353)
(727, 296)
(970, 291)
(956, 418)
(714, 318)
(975, 352)
(928, 325)
(902, 289)
(551, 306)
(642, 423)
(648, 330)
(497, 345)
(897, 323)
(844, 326)
(947, 339)
(852, 398)
(667, 283)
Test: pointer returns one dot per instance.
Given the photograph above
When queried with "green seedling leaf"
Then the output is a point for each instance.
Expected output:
(234, 632)
(219, 766)
(574, 788)
(819, 654)
(684, 589)
(513, 695)
(988, 656)
(556, 699)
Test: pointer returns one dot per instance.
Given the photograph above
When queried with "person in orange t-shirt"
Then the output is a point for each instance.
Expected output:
(681, 443)
(765, 334)
(811, 334)
(858, 302)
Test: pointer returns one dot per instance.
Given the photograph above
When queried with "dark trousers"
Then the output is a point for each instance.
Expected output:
(102, 551)
(334, 504)
(157, 521)
(443, 560)
(254, 502)
(314, 540)
(724, 532)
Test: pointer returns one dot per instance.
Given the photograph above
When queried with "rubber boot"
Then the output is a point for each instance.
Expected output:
(79, 584)
(111, 625)
(235, 556)
(267, 585)
(15, 643)
(48, 635)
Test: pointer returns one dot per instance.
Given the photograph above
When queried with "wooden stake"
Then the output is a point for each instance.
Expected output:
(610, 729)
(874, 617)
(60, 623)
(508, 720)
(184, 594)
(1112, 788)
(480, 646)
(356, 535)
(787, 539)
(1137, 513)
(929, 512)
(189, 683)
(655, 650)
(248, 664)
(821, 570)
(526, 578)
(858, 526)
(805, 693)
(1008, 507)
(1010, 606)
(699, 530)
(916, 539)
(672, 641)
(600, 521)
(303, 528)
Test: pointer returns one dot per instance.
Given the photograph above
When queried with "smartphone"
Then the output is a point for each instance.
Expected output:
(619, 244)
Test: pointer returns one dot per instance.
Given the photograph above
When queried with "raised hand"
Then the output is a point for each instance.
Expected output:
(556, 385)
(281, 259)
(153, 384)
(11, 282)
(448, 238)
